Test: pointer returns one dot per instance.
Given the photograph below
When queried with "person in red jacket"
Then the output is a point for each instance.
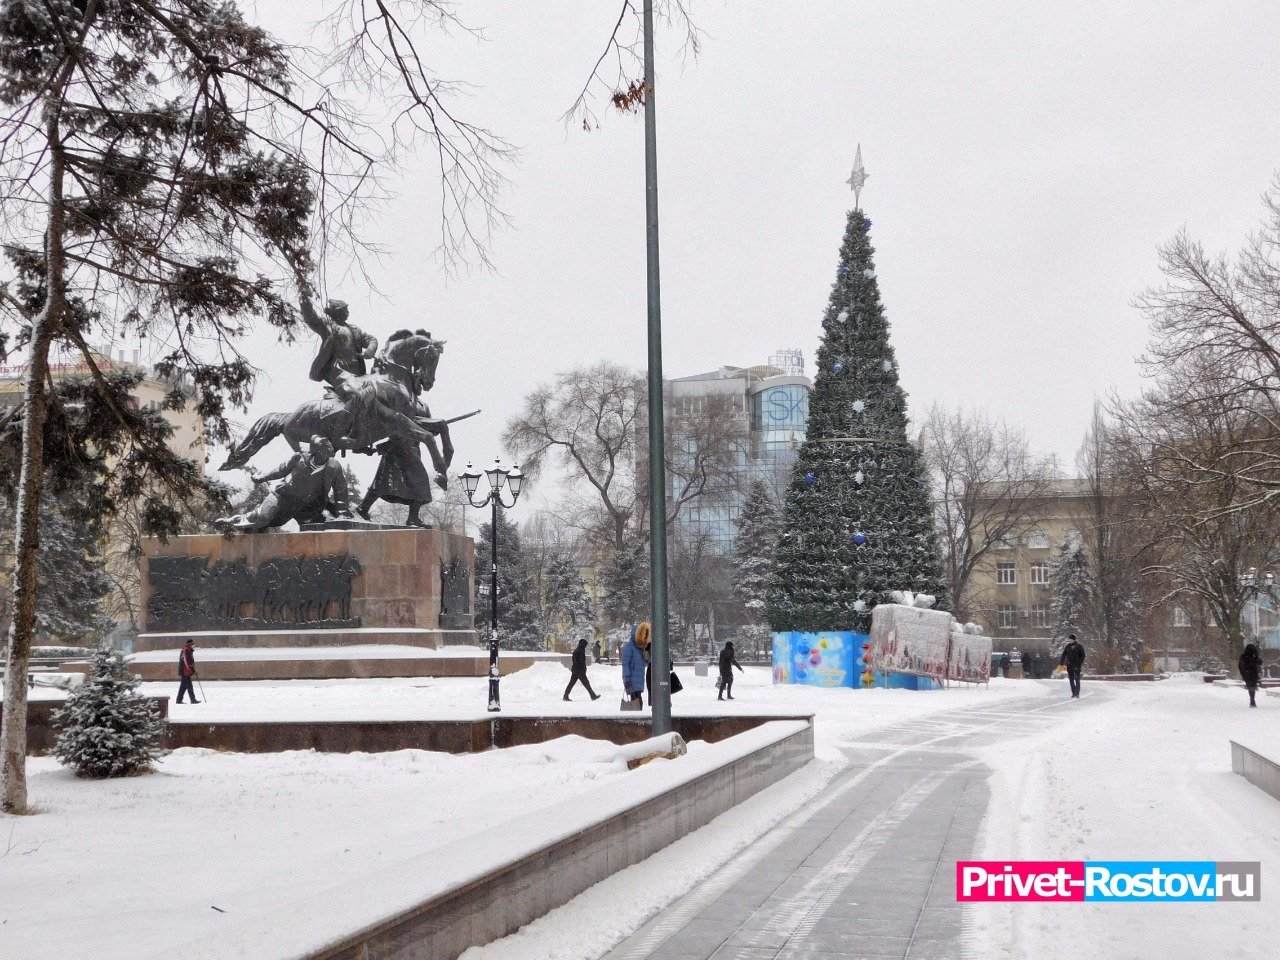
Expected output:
(187, 671)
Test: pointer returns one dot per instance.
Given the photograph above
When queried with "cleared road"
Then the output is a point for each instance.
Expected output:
(866, 869)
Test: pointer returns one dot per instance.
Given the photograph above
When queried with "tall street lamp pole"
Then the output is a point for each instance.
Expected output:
(498, 477)
(660, 697)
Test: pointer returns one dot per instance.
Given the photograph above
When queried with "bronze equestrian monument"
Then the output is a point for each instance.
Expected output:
(340, 596)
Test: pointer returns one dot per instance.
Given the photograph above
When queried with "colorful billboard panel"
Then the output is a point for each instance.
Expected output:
(826, 659)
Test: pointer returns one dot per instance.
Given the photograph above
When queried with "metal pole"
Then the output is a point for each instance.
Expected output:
(495, 703)
(660, 698)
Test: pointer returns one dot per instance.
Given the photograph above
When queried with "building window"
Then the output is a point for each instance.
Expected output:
(1004, 543)
(1039, 540)
(1007, 616)
(1006, 573)
(1180, 617)
(1040, 574)
(1039, 615)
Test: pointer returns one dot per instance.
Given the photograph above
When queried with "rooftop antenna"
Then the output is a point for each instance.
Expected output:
(857, 178)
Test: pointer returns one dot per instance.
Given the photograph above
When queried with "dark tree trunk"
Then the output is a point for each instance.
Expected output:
(13, 729)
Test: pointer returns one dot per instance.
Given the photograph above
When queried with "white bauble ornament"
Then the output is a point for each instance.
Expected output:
(842, 316)
(869, 273)
(887, 365)
(860, 605)
(858, 406)
(859, 477)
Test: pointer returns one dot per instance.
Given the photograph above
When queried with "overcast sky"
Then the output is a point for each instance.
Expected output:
(1025, 159)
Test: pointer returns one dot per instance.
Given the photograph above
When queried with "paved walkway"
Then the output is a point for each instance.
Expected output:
(867, 869)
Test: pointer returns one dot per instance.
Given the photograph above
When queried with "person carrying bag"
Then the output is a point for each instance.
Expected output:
(635, 659)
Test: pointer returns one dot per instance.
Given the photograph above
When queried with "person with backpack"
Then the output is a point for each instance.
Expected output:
(187, 670)
(1250, 665)
(1073, 659)
(727, 662)
(578, 671)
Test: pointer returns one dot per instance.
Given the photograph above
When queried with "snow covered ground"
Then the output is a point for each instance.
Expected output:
(115, 869)
(538, 690)
(1143, 772)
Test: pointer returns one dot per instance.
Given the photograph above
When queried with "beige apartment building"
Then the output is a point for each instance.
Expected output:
(1011, 589)
(1013, 593)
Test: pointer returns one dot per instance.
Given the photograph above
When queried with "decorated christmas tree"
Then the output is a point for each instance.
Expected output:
(857, 520)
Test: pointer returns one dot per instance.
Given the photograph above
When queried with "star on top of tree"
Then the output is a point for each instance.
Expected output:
(858, 177)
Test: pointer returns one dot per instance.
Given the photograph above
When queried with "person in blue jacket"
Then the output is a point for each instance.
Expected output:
(635, 657)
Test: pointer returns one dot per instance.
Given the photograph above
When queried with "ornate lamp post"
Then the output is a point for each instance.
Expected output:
(498, 477)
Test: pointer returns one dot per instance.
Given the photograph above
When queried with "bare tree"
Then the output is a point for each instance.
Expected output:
(986, 485)
(584, 423)
(1114, 545)
(1205, 533)
(1221, 316)
(617, 75)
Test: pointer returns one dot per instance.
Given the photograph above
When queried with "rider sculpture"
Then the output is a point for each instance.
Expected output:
(344, 347)
(371, 413)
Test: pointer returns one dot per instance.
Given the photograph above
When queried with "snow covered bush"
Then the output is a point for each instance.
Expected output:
(107, 728)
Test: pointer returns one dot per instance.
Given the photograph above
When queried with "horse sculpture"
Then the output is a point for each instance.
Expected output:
(375, 413)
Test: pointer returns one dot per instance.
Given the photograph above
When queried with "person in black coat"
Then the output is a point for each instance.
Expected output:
(187, 670)
(596, 652)
(1250, 665)
(727, 662)
(578, 671)
(1073, 659)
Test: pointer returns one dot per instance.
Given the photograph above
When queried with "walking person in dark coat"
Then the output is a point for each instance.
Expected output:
(596, 652)
(187, 671)
(578, 671)
(727, 662)
(1073, 659)
(1250, 665)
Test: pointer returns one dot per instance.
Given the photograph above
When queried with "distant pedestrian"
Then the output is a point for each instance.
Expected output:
(597, 652)
(1073, 659)
(727, 662)
(634, 662)
(578, 671)
(1004, 665)
(1250, 665)
(187, 671)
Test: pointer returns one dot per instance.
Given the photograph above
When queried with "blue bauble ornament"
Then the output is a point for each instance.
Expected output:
(843, 271)
(866, 222)
(837, 368)
(859, 539)
(810, 479)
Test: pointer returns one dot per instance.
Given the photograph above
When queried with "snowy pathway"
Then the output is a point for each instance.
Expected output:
(865, 869)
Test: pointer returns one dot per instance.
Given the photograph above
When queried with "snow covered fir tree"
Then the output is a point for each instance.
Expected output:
(753, 549)
(108, 728)
(857, 520)
(519, 625)
(1073, 592)
(74, 614)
